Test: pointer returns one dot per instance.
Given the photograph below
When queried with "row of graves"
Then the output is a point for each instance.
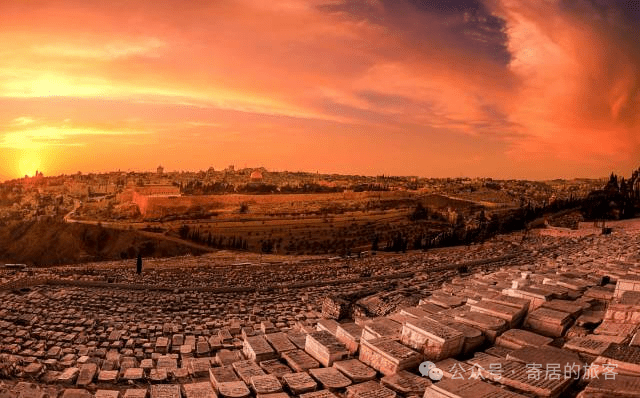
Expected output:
(550, 331)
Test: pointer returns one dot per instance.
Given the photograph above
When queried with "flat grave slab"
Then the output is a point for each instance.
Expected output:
(300, 361)
(355, 370)
(299, 383)
(330, 378)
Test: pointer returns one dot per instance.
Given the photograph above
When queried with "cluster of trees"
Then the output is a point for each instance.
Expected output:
(197, 187)
(616, 201)
(218, 242)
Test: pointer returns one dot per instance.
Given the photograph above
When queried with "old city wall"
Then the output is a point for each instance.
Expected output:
(157, 206)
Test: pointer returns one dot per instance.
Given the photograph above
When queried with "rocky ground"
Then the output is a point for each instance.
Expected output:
(551, 314)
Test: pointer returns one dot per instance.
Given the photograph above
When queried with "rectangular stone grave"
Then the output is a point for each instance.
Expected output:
(587, 344)
(275, 367)
(228, 357)
(626, 359)
(68, 376)
(222, 375)
(158, 375)
(265, 384)
(468, 388)
(330, 378)
(617, 386)
(299, 339)
(198, 367)
(165, 391)
(325, 348)
(135, 393)
(512, 315)
(355, 370)
(107, 394)
(162, 345)
(76, 393)
(319, 394)
(133, 374)
(86, 374)
(473, 337)
(328, 325)
(369, 389)
(349, 334)
(280, 342)
(570, 307)
(299, 383)
(300, 361)
(490, 327)
(452, 368)
(548, 322)
(167, 362)
(435, 340)
(518, 376)
(518, 338)
(381, 327)
(546, 356)
(234, 389)
(258, 349)
(388, 356)
(198, 390)
(406, 383)
(108, 376)
(247, 369)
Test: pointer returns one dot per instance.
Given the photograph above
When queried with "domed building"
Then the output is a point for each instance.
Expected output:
(256, 176)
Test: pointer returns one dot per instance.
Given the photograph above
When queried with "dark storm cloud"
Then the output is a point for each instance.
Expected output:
(466, 25)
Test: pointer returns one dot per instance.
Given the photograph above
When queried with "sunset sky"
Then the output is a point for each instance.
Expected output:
(499, 88)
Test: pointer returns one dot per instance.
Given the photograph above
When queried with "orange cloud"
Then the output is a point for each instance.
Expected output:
(409, 85)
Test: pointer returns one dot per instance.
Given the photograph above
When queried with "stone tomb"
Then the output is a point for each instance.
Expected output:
(299, 383)
(258, 349)
(490, 326)
(547, 356)
(234, 389)
(248, 369)
(86, 374)
(588, 345)
(435, 340)
(198, 390)
(468, 388)
(517, 375)
(165, 391)
(512, 315)
(369, 389)
(135, 393)
(355, 370)
(388, 356)
(325, 348)
(406, 383)
(626, 359)
(280, 342)
(107, 394)
(518, 338)
(300, 361)
(619, 386)
(349, 334)
(76, 393)
(225, 374)
(275, 367)
(381, 327)
(330, 378)
(265, 384)
(548, 322)
(319, 394)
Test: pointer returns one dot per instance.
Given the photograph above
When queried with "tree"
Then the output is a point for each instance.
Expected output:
(139, 264)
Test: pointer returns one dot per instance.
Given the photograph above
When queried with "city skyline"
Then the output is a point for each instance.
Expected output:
(495, 88)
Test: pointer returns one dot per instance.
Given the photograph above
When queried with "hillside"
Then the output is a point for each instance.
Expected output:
(50, 242)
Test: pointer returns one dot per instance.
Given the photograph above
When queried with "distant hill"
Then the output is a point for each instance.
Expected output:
(54, 242)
